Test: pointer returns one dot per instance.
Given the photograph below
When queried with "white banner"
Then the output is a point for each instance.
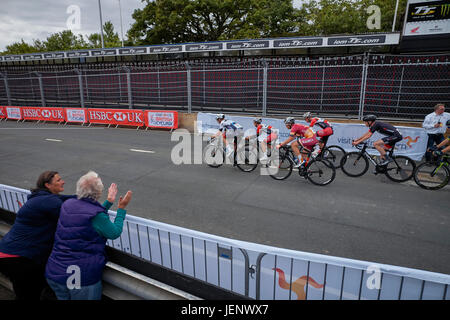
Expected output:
(413, 145)
(76, 115)
(13, 113)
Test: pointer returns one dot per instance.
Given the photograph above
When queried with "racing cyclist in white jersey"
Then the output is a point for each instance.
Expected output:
(229, 130)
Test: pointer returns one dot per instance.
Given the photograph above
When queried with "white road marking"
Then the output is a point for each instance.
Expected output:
(143, 151)
(56, 140)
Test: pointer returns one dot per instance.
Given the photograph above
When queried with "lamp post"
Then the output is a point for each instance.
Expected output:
(101, 23)
(121, 25)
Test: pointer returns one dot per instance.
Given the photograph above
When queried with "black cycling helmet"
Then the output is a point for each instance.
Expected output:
(370, 117)
(289, 120)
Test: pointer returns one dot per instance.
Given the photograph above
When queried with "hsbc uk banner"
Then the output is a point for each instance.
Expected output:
(43, 114)
(116, 117)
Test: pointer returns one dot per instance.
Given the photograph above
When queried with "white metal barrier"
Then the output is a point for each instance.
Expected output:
(263, 272)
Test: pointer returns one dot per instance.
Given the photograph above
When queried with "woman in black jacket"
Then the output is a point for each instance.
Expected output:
(25, 248)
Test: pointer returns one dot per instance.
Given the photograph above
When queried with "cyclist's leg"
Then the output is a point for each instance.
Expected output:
(307, 146)
(296, 148)
(379, 145)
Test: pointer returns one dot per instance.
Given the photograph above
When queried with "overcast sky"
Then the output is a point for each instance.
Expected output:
(38, 19)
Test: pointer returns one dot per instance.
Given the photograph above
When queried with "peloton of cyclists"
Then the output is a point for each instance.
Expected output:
(305, 140)
(229, 130)
(392, 136)
(325, 131)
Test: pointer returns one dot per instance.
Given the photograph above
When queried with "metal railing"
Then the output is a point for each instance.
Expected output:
(262, 272)
(404, 87)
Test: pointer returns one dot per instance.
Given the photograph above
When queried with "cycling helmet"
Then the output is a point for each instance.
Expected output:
(220, 116)
(289, 120)
(370, 117)
(448, 123)
(257, 120)
(307, 115)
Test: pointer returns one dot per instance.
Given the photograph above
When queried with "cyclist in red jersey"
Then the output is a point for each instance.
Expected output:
(325, 131)
(265, 135)
(305, 140)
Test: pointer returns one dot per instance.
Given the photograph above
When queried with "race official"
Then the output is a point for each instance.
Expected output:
(435, 126)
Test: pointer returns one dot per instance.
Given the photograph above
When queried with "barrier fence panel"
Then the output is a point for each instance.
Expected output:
(259, 271)
(405, 87)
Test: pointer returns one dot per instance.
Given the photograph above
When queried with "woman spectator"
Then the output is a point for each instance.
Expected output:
(75, 266)
(24, 250)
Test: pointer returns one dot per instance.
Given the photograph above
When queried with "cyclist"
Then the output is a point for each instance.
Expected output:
(442, 146)
(392, 136)
(325, 131)
(265, 135)
(229, 130)
(305, 139)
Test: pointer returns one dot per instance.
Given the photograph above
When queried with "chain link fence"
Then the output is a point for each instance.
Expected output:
(401, 87)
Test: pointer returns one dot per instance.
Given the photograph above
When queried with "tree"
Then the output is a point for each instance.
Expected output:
(64, 40)
(110, 38)
(19, 48)
(177, 21)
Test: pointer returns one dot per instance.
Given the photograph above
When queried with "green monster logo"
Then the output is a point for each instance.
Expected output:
(445, 9)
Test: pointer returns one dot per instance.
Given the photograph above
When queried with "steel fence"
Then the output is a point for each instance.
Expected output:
(262, 272)
(405, 87)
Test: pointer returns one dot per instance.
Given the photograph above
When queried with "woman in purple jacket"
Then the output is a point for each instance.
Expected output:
(75, 266)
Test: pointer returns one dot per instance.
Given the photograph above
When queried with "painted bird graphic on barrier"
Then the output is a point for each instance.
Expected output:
(410, 140)
(298, 286)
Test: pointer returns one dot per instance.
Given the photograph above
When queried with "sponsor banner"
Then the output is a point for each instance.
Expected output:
(2, 112)
(77, 54)
(32, 56)
(298, 42)
(54, 55)
(413, 145)
(427, 18)
(166, 49)
(76, 115)
(123, 117)
(13, 113)
(105, 52)
(43, 114)
(247, 45)
(136, 50)
(161, 119)
(356, 40)
(204, 47)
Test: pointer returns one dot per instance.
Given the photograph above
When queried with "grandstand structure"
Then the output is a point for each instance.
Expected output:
(267, 77)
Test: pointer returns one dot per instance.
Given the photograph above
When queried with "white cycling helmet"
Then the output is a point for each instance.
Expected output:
(289, 120)
(220, 116)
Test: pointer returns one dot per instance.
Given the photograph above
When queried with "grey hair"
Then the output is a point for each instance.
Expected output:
(90, 186)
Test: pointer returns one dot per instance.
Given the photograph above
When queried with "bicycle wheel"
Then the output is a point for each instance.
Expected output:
(320, 172)
(354, 164)
(213, 156)
(250, 162)
(280, 168)
(431, 176)
(333, 154)
(401, 169)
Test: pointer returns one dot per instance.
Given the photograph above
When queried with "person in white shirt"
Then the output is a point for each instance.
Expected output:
(435, 126)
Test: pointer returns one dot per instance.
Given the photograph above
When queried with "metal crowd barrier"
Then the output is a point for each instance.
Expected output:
(262, 272)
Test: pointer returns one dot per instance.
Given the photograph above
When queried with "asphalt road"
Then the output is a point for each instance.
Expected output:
(368, 218)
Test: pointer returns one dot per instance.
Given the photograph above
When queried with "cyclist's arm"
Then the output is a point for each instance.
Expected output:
(366, 136)
(443, 143)
(285, 142)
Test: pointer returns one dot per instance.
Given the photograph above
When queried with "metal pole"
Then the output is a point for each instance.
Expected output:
(41, 89)
(130, 93)
(323, 85)
(400, 88)
(101, 23)
(189, 87)
(363, 86)
(264, 102)
(121, 25)
(8, 93)
(80, 86)
(395, 16)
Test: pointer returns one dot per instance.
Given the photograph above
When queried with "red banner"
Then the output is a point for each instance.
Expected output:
(2, 112)
(43, 114)
(161, 119)
(122, 117)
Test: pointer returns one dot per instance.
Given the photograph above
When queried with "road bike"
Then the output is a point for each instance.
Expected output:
(319, 171)
(356, 163)
(333, 154)
(214, 155)
(433, 175)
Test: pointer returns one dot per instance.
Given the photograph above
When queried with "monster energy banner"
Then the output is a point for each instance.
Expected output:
(427, 18)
